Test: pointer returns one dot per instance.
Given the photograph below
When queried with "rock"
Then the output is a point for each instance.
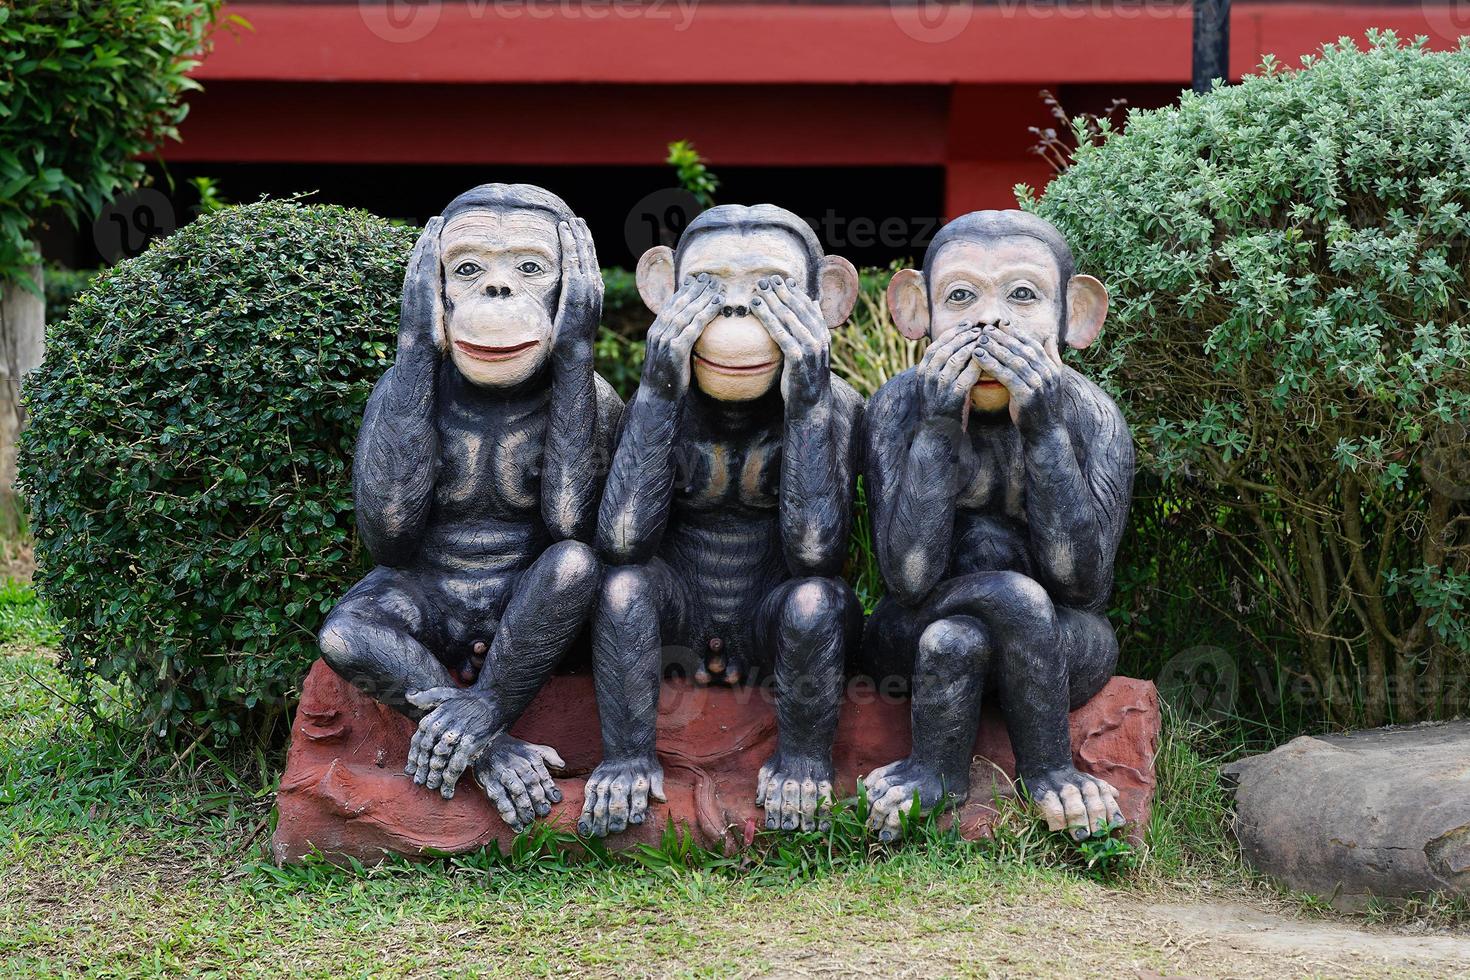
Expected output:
(1382, 813)
(344, 792)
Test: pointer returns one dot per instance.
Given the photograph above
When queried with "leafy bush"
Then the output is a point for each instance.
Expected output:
(87, 89)
(188, 457)
(1290, 341)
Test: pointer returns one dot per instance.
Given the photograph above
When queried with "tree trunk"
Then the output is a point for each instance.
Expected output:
(22, 342)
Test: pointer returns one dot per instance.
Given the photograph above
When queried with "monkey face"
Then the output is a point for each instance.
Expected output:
(735, 358)
(502, 270)
(1013, 283)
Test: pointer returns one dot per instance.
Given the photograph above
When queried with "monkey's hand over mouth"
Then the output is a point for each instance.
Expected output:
(1032, 373)
(459, 726)
(795, 323)
(671, 339)
(946, 373)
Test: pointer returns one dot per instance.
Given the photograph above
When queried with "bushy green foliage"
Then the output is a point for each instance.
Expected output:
(86, 90)
(1290, 339)
(189, 451)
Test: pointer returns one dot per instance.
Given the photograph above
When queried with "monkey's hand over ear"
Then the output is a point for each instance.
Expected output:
(1033, 374)
(421, 335)
(795, 323)
(580, 307)
(947, 372)
(672, 337)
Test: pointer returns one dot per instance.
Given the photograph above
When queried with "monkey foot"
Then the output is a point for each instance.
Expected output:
(515, 776)
(795, 793)
(892, 789)
(1080, 804)
(617, 795)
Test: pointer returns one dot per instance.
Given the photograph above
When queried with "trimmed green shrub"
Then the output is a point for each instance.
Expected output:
(189, 452)
(87, 90)
(1290, 339)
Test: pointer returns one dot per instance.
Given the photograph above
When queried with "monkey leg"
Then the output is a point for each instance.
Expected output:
(1044, 659)
(808, 622)
(948, 679)
(378, 639)
(638, 606)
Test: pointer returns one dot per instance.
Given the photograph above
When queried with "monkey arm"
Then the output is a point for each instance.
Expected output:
(1079, 477)
(640, 486)
(397, 459)
(570, 467)
(817, 455)
(910, 472)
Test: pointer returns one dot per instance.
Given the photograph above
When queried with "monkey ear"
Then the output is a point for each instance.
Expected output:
(655, 277)
(1087, 308)
(908, 303)
(837, 290)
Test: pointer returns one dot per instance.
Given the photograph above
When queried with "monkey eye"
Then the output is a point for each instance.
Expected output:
(466, 269)
(960, 295)
(529, 268)
(1023, 294)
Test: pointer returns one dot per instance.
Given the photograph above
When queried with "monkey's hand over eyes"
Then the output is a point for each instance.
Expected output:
(580, 306)
(421, 336)
(459, 726)
(672, 337)
(1033, 374)
(795, 323)
(947, 372)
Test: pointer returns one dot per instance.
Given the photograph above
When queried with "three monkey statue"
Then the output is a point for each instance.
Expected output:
(512, 503)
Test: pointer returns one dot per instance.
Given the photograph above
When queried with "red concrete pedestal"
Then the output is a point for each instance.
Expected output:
(344, 792)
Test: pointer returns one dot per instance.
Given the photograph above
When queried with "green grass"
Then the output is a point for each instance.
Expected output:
(117, 863)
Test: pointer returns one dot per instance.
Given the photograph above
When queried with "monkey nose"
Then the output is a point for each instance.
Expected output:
(497, 290)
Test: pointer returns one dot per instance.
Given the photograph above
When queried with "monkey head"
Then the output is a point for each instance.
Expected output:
(502, 270)
(1006, 268)
(735, 358)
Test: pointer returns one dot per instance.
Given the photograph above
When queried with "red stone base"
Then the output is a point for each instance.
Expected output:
(344, 792)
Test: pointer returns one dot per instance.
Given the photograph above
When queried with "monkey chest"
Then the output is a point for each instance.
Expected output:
(715, 475)
(992, 478)
(494, 472)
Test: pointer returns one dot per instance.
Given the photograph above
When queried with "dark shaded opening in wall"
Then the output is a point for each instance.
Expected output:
(870, 215)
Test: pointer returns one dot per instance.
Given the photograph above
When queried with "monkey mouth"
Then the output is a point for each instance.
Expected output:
(482, 353)
(988, 383)
(736, 369)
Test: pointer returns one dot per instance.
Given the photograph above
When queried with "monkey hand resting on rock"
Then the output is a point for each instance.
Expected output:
(476, 482)
(999, 482)
(725, 518)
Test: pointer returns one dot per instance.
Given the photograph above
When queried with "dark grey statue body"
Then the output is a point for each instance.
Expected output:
(725, 518)
(476, 481)
(998, 481)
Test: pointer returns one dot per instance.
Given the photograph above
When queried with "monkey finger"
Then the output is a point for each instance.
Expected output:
(1097, 811)
(693, 326)
(502, 803)
(587, 245)
(548, 755)
(599, 810)
(438, 761)
(1001, 372)
(779, 331)
(617, 805)
(656, 785)
(589, 801)
(432, 698)
(638, 800)
(537, 791)
(802, 315)
(1019, 364)
(1075, 809)
(1024, 355)
(810, 800)
(762, 780)
(892, 828)
(790, 804)
(1052, 810)
(1054, 352)
(773, 804)
(463, 756)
